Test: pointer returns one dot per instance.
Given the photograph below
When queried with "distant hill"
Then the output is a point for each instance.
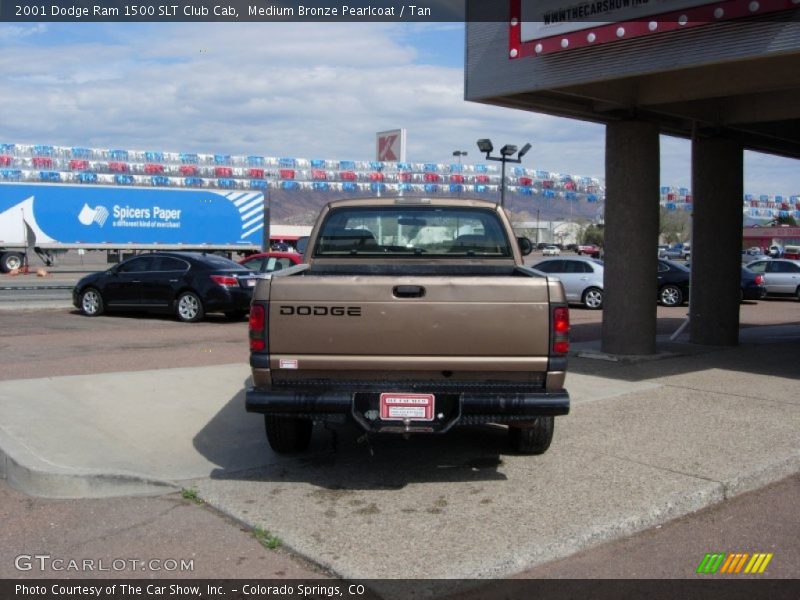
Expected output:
(301, 206)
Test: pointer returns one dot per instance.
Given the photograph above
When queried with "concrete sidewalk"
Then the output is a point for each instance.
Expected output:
(646, 441)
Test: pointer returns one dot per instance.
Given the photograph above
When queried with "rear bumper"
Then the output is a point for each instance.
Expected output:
(222, 299)
(754, 292)
(453, 408)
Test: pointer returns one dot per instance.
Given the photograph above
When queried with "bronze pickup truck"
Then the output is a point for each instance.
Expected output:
(410, 315)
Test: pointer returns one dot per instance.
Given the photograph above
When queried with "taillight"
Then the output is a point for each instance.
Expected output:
(560, 330)
(225, 280)
(257, 328)
(759, 280)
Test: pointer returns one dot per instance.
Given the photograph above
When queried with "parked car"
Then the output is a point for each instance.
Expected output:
(582, 278)
(188, 284)
(752, 285)
(673, 283)
(592, 250)
(268, 262)
(670, 253)
(551, 251)
(781, 276)
(775, 251)
(748, 257)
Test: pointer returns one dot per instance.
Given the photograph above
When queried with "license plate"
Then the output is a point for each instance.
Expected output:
(415, 407)
(251, 283)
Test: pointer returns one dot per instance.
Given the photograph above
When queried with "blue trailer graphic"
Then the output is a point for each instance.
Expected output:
(73, 214)
(53, 217)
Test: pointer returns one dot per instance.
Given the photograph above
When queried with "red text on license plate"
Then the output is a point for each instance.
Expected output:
(399, 406)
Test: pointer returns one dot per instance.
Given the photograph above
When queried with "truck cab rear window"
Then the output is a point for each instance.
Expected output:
(411, 232)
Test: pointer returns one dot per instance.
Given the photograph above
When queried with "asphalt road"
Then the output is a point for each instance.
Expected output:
(47, 343)
(764, 521)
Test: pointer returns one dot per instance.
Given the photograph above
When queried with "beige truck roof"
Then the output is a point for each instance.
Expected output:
(414, 201)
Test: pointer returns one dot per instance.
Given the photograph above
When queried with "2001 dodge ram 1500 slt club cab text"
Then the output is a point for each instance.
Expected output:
(410, 315)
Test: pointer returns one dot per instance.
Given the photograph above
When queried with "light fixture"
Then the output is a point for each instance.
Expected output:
(506, 152)
(485, 145)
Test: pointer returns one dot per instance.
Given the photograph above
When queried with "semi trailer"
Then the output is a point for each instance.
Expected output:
(48, 219)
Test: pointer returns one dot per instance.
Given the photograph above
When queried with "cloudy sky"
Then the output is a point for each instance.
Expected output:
(286, 89)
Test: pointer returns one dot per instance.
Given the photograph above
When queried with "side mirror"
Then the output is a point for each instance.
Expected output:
(302, 244)
(525, 245)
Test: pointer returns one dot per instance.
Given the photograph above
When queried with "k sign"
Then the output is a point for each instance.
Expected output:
(390, 146)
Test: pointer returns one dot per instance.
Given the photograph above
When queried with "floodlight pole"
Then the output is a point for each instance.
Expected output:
(266, 244)
(459, 154)
(503, 160)
(506, 152)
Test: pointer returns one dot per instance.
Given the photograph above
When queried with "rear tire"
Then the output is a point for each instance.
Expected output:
(190, 307)
(287, 435)
(10, 261)
(532, 438)
(593, 298)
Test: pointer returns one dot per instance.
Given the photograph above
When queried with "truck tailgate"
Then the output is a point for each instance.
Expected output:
(379, 316)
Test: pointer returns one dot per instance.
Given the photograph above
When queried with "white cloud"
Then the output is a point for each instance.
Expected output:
(11, 32)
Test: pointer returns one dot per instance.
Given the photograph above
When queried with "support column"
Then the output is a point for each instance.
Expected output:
(631, 238)
(717, 189)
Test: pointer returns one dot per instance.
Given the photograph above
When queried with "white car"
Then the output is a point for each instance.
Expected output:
(551, 251)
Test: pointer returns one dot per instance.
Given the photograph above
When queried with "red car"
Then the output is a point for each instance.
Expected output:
(268, 262)
(590, 249)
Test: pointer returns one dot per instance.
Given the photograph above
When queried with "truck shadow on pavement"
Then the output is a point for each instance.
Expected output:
(342, 458)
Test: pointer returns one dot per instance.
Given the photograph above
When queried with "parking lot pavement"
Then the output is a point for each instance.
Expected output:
(203, 543)
(762, 521)
(646, 442)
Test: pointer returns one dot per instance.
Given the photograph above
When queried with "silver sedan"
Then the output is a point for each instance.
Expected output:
(581, 276)
(781, 276)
